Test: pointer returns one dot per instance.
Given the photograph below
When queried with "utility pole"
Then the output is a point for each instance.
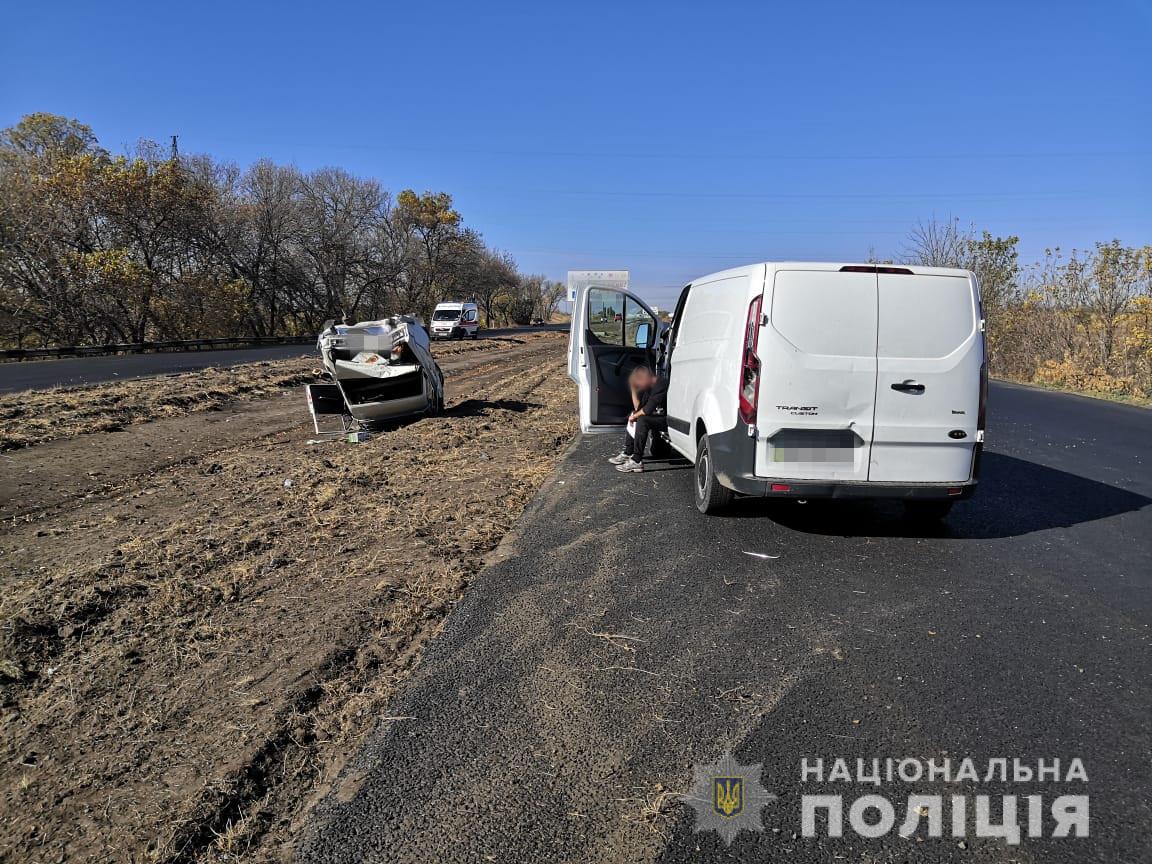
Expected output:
(175, 149)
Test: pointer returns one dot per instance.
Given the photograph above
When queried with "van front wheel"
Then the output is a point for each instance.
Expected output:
(711, 496)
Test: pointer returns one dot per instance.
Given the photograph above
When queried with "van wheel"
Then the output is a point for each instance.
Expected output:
(927, 511)
(711, 496)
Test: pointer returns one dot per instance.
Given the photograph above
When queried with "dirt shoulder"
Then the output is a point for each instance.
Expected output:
(196, 628)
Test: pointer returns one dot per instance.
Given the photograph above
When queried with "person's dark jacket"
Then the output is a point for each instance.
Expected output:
(657, 401)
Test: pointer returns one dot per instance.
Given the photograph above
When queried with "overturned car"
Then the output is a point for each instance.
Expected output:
(383, 370)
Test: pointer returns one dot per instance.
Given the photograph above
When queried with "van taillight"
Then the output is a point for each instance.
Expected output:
(750, 366)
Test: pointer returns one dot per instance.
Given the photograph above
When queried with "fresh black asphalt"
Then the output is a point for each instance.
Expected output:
(73, 371)
(623, 638)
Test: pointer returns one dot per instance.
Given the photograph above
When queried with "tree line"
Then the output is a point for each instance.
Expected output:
(98, 248)
(1080, 320)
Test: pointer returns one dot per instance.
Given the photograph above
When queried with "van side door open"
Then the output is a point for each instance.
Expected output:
(929, 355)
(612, 332)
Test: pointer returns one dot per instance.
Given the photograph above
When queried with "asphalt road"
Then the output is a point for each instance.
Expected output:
(624, 638)
(72, 371)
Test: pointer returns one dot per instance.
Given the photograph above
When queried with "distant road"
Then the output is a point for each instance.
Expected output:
(42, 374)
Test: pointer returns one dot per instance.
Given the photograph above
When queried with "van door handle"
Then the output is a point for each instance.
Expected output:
(909, 386)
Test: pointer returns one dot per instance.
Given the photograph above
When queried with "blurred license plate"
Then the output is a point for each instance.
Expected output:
(823, 455)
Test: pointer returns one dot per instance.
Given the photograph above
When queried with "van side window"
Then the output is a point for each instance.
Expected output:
(606, 316)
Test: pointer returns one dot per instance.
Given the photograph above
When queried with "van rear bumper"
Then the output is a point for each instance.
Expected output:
(733, 459)
(763, 488)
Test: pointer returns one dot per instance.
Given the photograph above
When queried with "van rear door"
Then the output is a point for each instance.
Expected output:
(930, 350)
(817, 353)
(612, 332)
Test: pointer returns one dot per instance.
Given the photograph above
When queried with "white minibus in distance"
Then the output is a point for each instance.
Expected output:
(803, 380)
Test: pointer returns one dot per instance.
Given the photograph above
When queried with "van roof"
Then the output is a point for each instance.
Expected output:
(829, 266)
(455, 303)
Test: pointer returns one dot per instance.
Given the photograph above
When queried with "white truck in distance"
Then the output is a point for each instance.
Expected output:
(804, 380)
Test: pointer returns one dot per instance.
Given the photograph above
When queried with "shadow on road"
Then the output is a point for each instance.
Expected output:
(1015, 497)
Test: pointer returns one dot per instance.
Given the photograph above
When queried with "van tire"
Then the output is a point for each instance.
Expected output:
(928, 510)
(711, 496)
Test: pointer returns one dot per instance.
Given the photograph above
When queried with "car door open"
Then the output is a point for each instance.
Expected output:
(612, 333)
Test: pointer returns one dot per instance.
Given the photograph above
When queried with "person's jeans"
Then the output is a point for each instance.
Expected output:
(629, 444)
(644, 427)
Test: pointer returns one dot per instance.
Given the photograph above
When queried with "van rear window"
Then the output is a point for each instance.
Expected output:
(924, 316)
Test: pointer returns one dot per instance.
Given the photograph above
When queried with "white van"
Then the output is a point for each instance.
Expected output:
(455, 320)
(804, 380)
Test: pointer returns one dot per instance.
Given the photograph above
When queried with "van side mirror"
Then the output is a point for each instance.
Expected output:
(640, 340)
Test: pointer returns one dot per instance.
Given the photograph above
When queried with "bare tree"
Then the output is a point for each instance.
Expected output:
(1117, 276)
(551, 294)
(493, 274)
(937, 243)
(152, 244)
(338, 214)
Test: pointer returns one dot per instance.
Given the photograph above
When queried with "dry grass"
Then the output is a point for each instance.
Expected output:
(37, 416)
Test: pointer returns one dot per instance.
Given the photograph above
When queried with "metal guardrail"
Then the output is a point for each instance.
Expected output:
(146, 347)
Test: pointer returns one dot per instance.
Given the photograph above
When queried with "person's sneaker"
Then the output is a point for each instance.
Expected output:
(630, 466)
(620, 458)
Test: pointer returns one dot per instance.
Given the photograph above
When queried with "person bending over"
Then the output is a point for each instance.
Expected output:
(649, 417)
(640, 383)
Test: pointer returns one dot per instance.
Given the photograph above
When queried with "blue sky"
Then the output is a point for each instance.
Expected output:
(672, 139)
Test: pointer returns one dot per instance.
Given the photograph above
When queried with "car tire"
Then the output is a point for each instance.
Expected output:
(711, 495)
(929, 510)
